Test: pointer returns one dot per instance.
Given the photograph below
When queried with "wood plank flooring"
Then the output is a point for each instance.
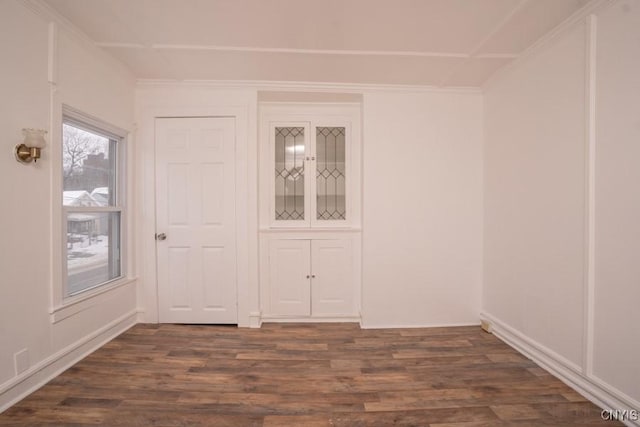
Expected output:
(304, 375)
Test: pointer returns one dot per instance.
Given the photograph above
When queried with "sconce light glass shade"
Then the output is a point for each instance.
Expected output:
(34, 141)
(34, 138)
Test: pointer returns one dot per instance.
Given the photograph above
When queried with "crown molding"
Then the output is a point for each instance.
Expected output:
(46, 12)
(58, 24)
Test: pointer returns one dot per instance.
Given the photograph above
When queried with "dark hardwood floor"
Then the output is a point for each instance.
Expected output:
(304, 375)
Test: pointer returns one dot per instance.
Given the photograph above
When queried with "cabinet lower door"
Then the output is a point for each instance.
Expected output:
(289, 271)
(332, 290)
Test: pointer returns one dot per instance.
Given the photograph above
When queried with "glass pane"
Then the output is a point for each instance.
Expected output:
(93, 249)
(89, 166)
(289, 173)
(330, 173)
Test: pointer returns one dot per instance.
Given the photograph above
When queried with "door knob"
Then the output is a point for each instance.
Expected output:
(161, 236)
(308, 276)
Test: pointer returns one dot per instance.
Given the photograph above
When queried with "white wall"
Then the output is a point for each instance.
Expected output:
(562, 236)
(87, 80)
(422, 208)
(439, 172)
(24, 297)
(534, 197)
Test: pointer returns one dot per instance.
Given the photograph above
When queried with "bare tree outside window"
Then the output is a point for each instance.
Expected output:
(91, 208)
(80, 150)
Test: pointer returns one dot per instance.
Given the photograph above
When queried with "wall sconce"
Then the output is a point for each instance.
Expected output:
(33, 142)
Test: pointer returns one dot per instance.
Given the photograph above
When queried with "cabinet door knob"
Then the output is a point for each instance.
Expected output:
(308, 276)
(313, 276)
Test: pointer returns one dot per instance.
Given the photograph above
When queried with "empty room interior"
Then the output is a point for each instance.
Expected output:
(320, 213)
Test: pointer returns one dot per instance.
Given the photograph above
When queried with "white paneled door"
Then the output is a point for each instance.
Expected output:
(195, 202)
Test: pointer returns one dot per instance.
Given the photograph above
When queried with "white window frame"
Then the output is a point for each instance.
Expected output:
(64, 305)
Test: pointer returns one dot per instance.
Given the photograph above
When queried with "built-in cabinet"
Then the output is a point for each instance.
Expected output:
(312, 277)
(310, 211)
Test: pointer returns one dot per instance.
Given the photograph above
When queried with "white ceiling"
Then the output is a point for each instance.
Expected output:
(416, 42)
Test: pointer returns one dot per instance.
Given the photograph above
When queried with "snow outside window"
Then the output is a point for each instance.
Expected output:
(91, 207)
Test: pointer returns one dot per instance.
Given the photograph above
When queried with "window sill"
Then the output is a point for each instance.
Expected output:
(79, 303)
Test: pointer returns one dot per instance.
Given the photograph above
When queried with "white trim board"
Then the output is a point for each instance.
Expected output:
(48, 14)
(351, 52)
(365, 325)
(296, 86)
(92, 298)
(255, 49)
(495, 30)
(19, 387)
(327, 319)
(578, 17)
(591, 387)
(590, 193)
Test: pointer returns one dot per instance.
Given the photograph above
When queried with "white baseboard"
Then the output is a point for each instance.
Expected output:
(38, 375)
(284, 319)
(594, 389)
(412, 326)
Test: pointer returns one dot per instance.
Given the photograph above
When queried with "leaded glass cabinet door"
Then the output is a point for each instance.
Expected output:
(330, 159)
(290, 185)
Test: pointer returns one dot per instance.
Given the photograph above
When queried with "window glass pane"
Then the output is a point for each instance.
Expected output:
(89, 168)
(93, 249)
(289, 173)
(330, 173)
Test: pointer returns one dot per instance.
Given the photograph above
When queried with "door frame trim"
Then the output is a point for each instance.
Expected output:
(246, 207)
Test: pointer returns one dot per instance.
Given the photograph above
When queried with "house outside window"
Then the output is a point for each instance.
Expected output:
(92, 202)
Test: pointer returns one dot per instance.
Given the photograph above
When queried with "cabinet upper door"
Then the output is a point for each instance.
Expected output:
(329, 204)
(290, 184)
(309, 169)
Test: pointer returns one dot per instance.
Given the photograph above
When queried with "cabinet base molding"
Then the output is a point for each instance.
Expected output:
(255, 319)
(291, 319)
